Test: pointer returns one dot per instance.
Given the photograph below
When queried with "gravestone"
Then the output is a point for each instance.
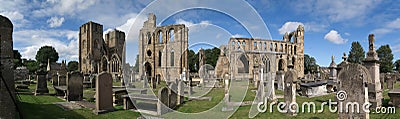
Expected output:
(389, 81)
(353, 88)
(227, 97)
(104, 98)
(181, 92)
(271, 87)
(382, 77)
(153, 83)
(145, 82)
(75, 86)
(190, 91)
(41, 87)
(54, 79)
(173, 95)
(371, 62)
(290, 92)
(62, 80)
(163, 101)
(280, 75)
(7, 84)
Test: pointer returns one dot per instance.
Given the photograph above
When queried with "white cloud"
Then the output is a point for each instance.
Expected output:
(388, 28)
(55, 22)
(62, 7)
(29, 41)
(289, 27)
(334, 37)
(194, 27)
(308, 27)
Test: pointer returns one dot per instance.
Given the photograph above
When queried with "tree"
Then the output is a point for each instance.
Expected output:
(45, 53)
(73, 66)
(31, 65)
(357, 53)
(385, 58)
(397, 65)
(212, 56)
(310, 64)
(136, 67)
(193, 61)
(17, 59)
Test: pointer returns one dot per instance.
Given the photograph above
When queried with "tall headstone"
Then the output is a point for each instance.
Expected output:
(75, 86)
(271, 87)
(54, 79)
(173, 95)
(227, 97)
(181, 92)
(371, 62)
(280, 75)
(104, 99)
(163, 101)
(153, 83)
(290, 92)
(41, 87)
(390, 81)
(353, 88)
(7, 91)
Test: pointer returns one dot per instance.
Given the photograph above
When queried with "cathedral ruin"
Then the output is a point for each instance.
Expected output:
(97, 54)
(245, 56)
(163, 50)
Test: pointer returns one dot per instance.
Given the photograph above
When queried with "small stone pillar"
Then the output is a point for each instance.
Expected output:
(280, 75)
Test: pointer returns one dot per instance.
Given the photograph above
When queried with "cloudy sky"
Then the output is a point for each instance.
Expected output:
(330, 26)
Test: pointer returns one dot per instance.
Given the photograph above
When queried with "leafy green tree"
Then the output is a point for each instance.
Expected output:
(31, 65)
(212, 56)
(357, 53)
(385, 58)
(310, 64)
(17, 59)
(73, 66)
(45, 53)
(193, 61)
(397, 65)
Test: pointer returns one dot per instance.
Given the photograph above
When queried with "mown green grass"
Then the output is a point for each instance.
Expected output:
(37, 107)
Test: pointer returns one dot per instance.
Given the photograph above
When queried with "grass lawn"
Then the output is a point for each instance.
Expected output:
(38, 107)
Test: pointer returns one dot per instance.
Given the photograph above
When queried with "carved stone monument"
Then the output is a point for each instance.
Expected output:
(41, 87)
(104, 98)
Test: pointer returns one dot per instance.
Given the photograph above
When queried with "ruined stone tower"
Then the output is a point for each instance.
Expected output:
(97, 54)
(162, 50)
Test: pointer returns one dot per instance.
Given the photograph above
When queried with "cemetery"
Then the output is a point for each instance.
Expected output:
(250, 78)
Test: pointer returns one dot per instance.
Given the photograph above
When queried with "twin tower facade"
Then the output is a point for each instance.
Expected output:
(97, 54)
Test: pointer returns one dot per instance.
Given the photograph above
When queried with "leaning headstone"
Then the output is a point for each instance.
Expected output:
(172, 95)
(181, 92)
(290, 92)
(41, 87)
(104, 99)
(75, 86)
(163, 101)
(352, 84)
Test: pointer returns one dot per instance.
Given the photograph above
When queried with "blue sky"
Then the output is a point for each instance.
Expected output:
(330, 26)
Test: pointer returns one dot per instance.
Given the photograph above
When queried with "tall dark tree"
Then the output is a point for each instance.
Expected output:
(17, 59)
(397, 65)
(193, 61)
(357, 53)
(136, 67)
(212, 56)
(385, 58)
(73, 66)
(310, 64)
(45, 53)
